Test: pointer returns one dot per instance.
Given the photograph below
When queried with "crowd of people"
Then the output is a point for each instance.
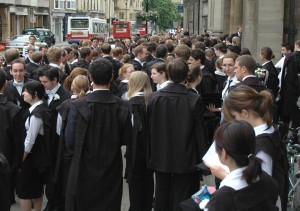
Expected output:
(67, 111)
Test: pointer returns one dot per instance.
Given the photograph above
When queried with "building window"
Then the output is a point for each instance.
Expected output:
(121, 15)
(59, 4)
(131, 3)
(71, 4)
(131, 16)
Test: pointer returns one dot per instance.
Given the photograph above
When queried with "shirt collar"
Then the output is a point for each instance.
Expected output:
(54, 90)
(248, 76)
(139, 61)
(54, 65)
(94, 90)
(265, 63)
(163, 85)
(234, 179)
(263, 129)
(35, 105)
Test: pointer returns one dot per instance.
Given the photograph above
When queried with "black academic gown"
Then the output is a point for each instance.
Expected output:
(140, 178)
(177, 140)
(290, 87)
(258, 196)
(274, 147)
(98, 125)
(11, 132)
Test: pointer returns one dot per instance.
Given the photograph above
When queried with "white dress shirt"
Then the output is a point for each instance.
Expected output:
(163, 85)
(52, 92)
(33, 128)
(229, 83)
(234, 179)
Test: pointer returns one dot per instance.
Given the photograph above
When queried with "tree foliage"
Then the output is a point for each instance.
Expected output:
(167, 12)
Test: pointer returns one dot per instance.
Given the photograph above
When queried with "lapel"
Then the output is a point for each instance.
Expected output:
(55, 103)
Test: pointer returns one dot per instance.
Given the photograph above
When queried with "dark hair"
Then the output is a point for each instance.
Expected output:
(50, 72)
(84, 52)
(170, 47)
(106, 48)
(161, 51)
(101, 71)
(198, 54)
(3, 78)
(152, 46)
(178, 70)
(245, 51)
(221, 47)
(161, 67)
(35, 88)
(199, 45)
(194, 72)
(267, 53)
(288, 46)
(75, 52)
(237, 138)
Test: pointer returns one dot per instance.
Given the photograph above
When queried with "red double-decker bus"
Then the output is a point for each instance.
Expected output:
(121, 29)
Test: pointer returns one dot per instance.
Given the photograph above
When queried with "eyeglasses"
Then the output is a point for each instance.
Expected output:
(227, 65)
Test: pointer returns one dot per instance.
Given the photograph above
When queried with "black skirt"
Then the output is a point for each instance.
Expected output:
(29, 181)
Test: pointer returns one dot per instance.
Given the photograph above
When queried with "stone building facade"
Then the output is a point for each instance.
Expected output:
(265, 22)
(15, 15)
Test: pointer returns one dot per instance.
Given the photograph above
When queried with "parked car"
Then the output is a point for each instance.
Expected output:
(21, 42)
(45, 35)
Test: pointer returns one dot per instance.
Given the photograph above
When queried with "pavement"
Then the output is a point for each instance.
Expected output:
(125, 199)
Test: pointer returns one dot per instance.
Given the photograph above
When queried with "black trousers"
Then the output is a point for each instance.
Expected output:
(172, 189)
(141, 187)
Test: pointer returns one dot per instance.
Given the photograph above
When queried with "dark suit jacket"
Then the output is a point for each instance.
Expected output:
(136, 65)
(290, 86)
(272, 80)
(64, 94)
(31, 67)
(13, 95)
(7, 71)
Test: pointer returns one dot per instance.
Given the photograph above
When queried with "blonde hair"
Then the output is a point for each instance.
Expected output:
(244, 97)
(80, 85)
(123, 69)
(139, 82)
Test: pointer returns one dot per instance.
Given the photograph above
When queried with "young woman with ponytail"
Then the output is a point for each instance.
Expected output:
(244, 103)
(247, 186)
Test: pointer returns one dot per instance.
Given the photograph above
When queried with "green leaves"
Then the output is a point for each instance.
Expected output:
(167, 12)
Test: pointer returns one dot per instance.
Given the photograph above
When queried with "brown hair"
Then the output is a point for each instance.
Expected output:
(75, 72)
(244, 97)
(247, 61)
(54, 54)
(267, 53)
(194, 72)
(161, 67)
(183, 51)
